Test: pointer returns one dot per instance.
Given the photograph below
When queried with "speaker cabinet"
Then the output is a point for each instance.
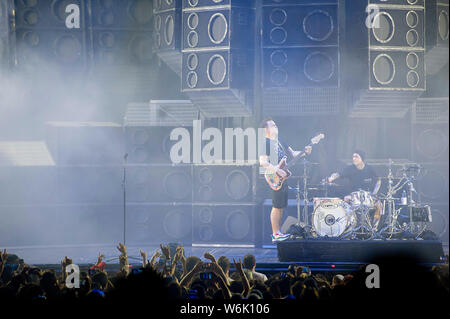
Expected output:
(115, 48)
(167, 29)
(300, 57)
(30, 185)
(28, 225)
(47, 13)
(306, 67)
(43, 38)
(122, 14)
(7, 42)
(149, 144)
(223, 183)
(89, 224)
(159, 183)
(159, 223)
(85, 143)
(217, 70)
(430, 142)
(217, 28)
(61, 225)
(218, 56)
(90, 184)
(437, 34)
(122, 47)
(439, 225)
(432, 183)
(223, 224)
(429, 138)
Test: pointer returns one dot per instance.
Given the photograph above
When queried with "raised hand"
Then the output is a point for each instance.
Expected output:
(180, 251)
(166, 251)
(238, 265)
(144, 257)
(66, 261)
(210, 257)
(245, 281)
(3, 256)
(100, 258)
(143, 254)
(122, 248)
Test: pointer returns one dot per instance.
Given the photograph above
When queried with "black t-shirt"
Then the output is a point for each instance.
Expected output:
(360, 178)
(279, 148)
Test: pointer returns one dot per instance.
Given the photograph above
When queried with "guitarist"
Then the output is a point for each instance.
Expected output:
(279, 197)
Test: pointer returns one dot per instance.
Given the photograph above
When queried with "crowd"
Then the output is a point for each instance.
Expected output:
(170, 275)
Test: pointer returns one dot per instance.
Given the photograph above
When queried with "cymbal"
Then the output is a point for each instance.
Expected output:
(329, 184)
(384, 197)
(306, 163)
(387, 177)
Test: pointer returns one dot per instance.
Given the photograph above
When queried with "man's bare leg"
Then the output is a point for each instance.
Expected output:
(276, 215)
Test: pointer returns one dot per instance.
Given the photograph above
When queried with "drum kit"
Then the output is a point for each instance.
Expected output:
(363, 215)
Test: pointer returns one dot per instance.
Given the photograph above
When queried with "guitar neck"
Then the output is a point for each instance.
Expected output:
(296, 158)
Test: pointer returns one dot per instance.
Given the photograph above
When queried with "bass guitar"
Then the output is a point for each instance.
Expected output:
(274, 180)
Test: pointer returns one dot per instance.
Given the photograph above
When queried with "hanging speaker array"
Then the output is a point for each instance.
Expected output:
(218, 56)
(386, 53)
(300, 57)
(166, 32)
(6, 38)
(437, 33)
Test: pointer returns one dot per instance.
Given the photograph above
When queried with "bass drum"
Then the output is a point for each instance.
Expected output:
(332, 217)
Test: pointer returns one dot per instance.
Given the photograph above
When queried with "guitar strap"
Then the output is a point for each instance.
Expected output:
(281, 144)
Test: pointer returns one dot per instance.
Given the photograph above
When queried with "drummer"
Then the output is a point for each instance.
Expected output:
(361, 177)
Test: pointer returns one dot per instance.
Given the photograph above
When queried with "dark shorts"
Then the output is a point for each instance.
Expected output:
(280, 197)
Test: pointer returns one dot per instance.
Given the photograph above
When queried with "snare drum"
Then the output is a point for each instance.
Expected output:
(362, 199)
(332, 217)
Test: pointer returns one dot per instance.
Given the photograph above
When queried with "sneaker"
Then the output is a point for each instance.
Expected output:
(279, 237)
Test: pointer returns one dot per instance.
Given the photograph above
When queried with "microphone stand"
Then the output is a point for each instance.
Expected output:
(124, 182)
(124, 179)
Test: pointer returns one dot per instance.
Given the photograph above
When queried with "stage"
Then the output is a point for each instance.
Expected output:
(341, 256)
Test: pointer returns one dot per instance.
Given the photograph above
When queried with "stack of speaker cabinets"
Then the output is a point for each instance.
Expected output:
(300, 57)
(429, 147)
(437, 34)
(89, 161)
(199, 204)
(223, 205)
(386, 54)
(28, 194)
(218, 56)
(66, 190)
(158, 192)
